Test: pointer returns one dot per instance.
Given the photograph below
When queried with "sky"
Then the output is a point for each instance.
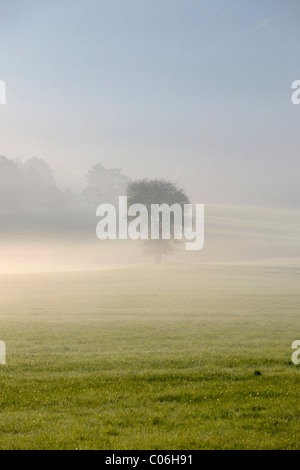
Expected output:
(190, 90)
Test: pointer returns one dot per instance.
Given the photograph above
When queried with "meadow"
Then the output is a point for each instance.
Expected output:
(151, 357)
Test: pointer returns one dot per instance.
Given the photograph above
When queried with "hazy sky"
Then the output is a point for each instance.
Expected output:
(197, 91)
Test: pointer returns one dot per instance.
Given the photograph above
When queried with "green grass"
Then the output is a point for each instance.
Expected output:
(164, 357)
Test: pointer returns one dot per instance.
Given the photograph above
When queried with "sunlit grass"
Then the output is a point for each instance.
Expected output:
(167, 357)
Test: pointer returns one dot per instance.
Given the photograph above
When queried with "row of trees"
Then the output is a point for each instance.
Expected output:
(31, 185)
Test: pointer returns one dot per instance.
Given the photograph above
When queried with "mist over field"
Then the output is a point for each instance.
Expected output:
(142, 344)
(67, 241)
(45, 228)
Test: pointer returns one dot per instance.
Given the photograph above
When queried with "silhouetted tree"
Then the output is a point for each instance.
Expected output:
(156, 191)
(11, 184)
(105, 185)
(41, 189)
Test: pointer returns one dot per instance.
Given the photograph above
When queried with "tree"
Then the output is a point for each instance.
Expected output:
(105, 185)
(11, 189)
(156, 191)
(41, 189)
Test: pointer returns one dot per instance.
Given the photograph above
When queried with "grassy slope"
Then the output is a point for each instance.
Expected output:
(151, 358)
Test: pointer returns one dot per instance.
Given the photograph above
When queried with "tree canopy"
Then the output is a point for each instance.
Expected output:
(105, 185)
(156, 191)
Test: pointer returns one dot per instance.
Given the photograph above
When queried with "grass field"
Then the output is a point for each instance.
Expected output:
(151, 357)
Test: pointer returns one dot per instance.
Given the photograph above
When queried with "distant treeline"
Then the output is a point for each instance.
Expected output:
(31, 186)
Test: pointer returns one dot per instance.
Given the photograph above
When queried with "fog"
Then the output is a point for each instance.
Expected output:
(232, 235)
(102, 93)
(197, 92)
